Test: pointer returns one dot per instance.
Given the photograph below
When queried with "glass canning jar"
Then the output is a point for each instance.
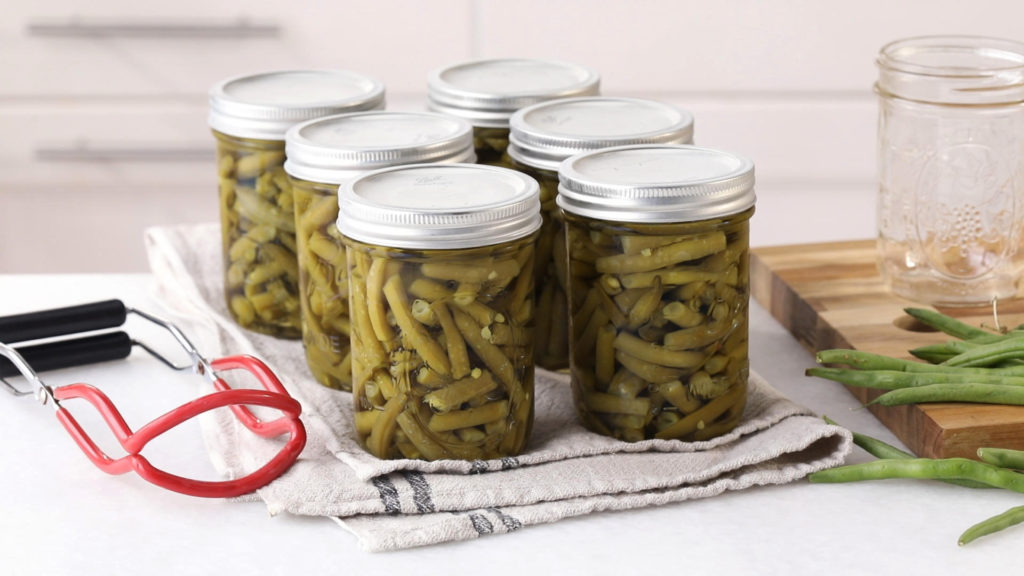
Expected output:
(540, 137)
(658, 242)
(441, 292)
(951, 168)
(487, 92)
(322, 154)
(249, 116)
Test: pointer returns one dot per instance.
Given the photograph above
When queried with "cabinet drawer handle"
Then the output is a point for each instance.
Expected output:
(75, 27)
(85, 152)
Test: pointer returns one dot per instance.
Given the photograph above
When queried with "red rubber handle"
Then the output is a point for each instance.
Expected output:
(275, 397)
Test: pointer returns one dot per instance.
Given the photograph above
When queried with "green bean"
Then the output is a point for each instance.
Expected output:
(456, 419)
(880, 449)
(873, 446)
(662, 256)
(973, 393)
(455, 394)
(869, 361)
(1002, 457)
(926, 468)
(1011, 517)
(947, 324)
(990, 354)
(891, 379)
(607, 403)
(940, 353)
(947, 469)
(490, 145)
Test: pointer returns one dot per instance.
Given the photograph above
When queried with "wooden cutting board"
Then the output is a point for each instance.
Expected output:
(831, 296)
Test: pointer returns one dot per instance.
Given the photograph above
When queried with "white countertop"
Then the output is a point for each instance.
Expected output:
(61, 515)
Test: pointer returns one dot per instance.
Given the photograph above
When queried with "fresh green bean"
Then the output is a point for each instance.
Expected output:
(873, 446)
(947, 324)
(869, 361)
(1002, 457)
(961, 392)
(989, 354)
(939, 353)
(924, 468)
(892, 379)
(1011, 517)
(880, 449)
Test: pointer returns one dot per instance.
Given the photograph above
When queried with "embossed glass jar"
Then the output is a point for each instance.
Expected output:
(951, 168)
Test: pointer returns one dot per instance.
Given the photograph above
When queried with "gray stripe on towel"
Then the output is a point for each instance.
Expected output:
(511, 524)
(388, 494)
(421, 494)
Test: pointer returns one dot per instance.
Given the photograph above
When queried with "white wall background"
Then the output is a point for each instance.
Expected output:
(786, 82)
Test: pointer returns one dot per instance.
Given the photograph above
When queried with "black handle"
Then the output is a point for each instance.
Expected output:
(74, 352)
(61, 321)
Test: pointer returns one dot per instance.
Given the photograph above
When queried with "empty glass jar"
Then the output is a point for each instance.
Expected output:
(951, 168)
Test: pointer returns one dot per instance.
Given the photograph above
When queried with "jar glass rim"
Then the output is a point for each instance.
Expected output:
(918, 55)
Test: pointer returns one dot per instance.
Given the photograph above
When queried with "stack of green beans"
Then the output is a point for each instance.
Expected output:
(978, 366)
(998, 468)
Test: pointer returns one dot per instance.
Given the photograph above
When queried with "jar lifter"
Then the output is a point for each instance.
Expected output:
(77, 351)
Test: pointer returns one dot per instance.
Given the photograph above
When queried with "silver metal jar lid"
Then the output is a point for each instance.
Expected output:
(335, 148)
(544, 134)
(439, 206)
(264, 106)
(487, 92)
(656, 183)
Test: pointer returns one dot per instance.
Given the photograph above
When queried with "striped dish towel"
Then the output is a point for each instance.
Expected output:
(565, 471)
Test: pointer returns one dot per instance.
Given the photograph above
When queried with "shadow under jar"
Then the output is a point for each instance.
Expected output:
(658, 243)
(249, 116)
(488, 92)
(543, 135)
(322, 154)
(441, 295)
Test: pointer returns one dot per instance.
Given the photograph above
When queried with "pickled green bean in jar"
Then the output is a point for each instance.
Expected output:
(249, 116)
(441, 295)
(658, 263)
(488, 92)
(322, 154)
(541, 136)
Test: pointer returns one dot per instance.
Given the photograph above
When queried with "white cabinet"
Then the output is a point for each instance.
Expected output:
(103, 106)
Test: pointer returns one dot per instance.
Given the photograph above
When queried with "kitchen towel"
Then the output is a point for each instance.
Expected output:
(565, 470)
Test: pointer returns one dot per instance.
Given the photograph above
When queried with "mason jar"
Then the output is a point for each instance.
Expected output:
(441, 267)
(322, 154)
(487, 92)
(540, 137)
(951, 168)
(658, 242)
(249, 116)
